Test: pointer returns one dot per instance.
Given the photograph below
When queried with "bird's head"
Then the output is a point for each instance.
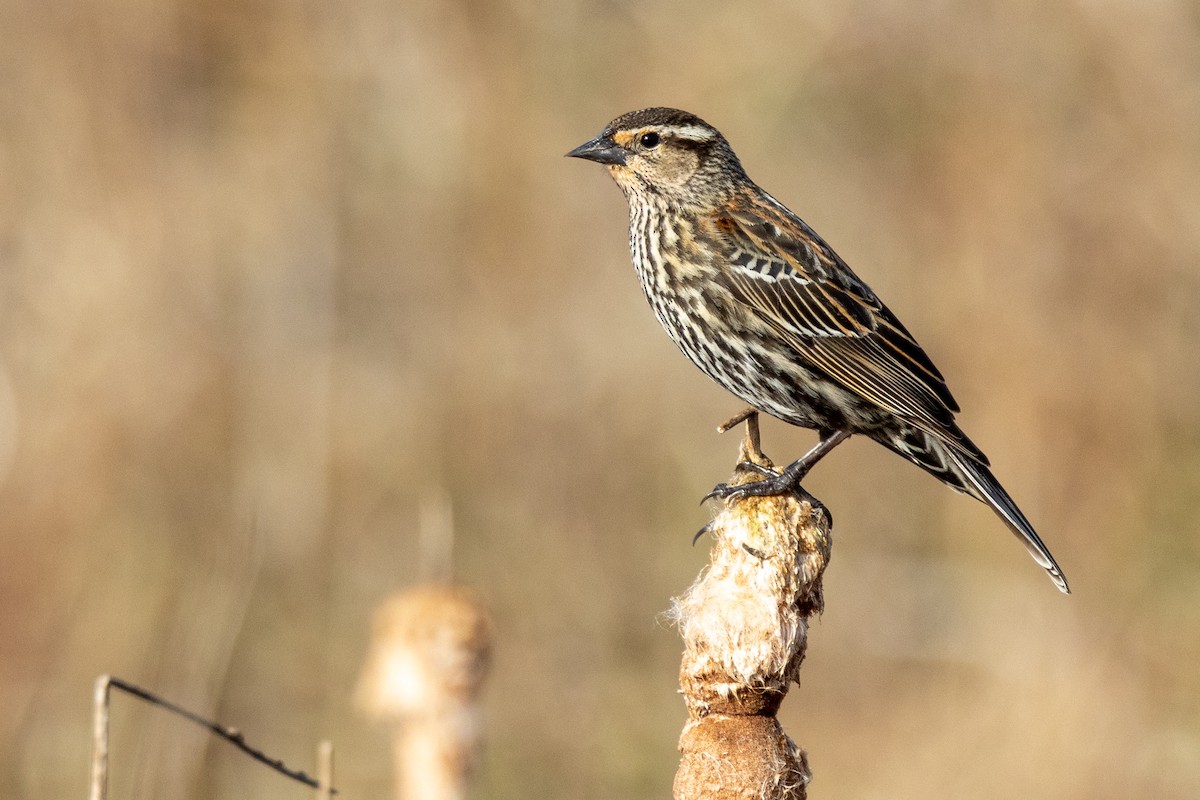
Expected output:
(665, 153)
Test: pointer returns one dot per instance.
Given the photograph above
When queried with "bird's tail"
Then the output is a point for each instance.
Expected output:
(960, 470)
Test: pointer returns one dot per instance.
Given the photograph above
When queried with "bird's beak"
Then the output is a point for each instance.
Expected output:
(602, 150)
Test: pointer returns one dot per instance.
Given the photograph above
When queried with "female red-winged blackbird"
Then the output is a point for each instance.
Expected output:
(756, 299)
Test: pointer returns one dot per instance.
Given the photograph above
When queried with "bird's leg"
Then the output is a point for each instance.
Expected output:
(786, 481)
(795, 472)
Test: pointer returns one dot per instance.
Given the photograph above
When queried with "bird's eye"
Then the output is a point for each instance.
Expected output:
(649, 140)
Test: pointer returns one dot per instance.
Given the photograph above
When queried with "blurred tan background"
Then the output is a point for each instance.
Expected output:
(271, 272)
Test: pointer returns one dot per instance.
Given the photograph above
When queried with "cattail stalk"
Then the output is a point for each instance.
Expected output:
(744, 624)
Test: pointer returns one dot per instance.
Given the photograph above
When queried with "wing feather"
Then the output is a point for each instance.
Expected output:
(792, 281)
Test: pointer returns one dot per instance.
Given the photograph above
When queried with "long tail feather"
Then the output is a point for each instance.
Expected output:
(958, 470)
(989, 490)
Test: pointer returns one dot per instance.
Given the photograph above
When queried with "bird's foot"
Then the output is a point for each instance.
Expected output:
(772, 484)
(758, 469)
(727, 491)
(777, 484)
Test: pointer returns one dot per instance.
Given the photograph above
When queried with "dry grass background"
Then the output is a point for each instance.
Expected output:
(271, 271)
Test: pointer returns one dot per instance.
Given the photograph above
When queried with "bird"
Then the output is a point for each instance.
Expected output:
(765, 307)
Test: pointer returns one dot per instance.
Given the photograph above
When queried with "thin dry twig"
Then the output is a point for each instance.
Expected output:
(100, 739)
(232, 735)
(325, 770)
(750, 450)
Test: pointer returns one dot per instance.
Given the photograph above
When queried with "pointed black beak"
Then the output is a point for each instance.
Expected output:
(602, 150)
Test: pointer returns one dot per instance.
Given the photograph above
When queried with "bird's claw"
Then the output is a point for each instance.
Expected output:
(724, 491)
(760, 555)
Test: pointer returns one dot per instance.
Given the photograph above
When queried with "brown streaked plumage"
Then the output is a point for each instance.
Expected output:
(757, 300)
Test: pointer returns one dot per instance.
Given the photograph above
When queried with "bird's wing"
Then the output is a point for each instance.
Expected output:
(791, 280)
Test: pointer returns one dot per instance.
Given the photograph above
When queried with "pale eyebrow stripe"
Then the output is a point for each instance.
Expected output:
(693, 132)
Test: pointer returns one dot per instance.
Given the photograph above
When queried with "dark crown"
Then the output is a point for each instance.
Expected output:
(659, 116)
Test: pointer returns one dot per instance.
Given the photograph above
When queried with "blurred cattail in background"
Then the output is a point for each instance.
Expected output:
(424, 673)
(429, 654)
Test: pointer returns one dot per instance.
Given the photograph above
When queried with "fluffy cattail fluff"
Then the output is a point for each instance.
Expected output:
(745, 624)
(428, 657)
